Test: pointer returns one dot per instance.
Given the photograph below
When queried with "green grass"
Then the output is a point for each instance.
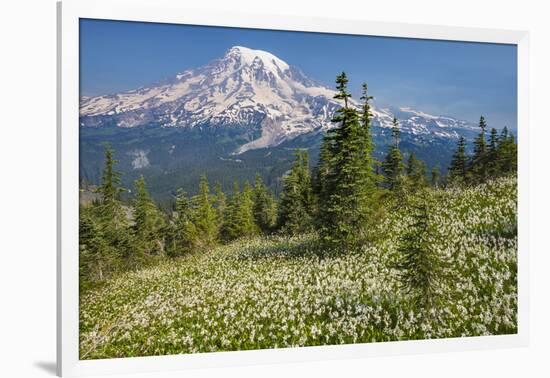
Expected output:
(279, 292)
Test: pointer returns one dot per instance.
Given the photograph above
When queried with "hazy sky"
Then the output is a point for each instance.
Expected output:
(459, 79)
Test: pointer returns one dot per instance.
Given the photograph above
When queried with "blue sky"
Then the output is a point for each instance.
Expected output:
(459, 79)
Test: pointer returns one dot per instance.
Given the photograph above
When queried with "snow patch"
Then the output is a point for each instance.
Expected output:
(140, 160)
(248, 57)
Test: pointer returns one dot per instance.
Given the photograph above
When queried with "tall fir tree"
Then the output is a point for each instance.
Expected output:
(492, 154)
(220, 204)
(371, 165)
(239, 219)
(230, 228)
(342, 89)
(245, 213)
(110, 188)
(265, 206)
(97, 259)
(111, 215)
(421, 268)
(478, 165)
(204, 215)
(346, 174)
(392, 167)
(183, 236)
(295, 208)
(507, 153)
(366, 115)
(322, 170)
(148, 224)
(371, 205)
(458, 170)
(416, 172)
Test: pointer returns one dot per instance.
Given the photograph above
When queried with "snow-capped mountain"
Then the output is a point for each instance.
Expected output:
(248, 89)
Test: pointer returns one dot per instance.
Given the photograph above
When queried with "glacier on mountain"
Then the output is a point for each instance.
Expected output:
(246, 89)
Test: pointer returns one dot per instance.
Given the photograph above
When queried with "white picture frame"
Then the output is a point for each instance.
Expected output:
(69, 13)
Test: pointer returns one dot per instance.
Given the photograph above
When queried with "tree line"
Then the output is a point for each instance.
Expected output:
(342, 199)
(492, 157)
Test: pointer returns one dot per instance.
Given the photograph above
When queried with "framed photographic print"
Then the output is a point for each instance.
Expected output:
(239, 188)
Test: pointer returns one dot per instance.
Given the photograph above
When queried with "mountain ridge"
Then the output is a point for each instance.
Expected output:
(253, 90)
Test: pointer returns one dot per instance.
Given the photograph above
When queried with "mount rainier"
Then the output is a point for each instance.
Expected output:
(241, 114)
(247, 89)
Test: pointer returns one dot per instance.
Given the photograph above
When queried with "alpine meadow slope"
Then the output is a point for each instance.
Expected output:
(274, 292)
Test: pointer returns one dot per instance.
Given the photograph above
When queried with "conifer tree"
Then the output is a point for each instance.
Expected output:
(345, 191)
(97, 259)
(395, 132)
(183, 207)
(412, 164)
(110, 182)
(458, 169)
(420, 267)
(220, 204)
(230, 228)
(492, 154)
(111, 216)
(265, 207)
(183, 233)
(393, 162)
(342, 89)
(305, 180)
(506, 153)
(370, 164)
(147, 226)
(295, 208)
(478, 165)
(239, 219)
(416, 172)
(371, 205)
(245, 213)
(322, 170)
(504, 134)
(204, 215)
(366, 115)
